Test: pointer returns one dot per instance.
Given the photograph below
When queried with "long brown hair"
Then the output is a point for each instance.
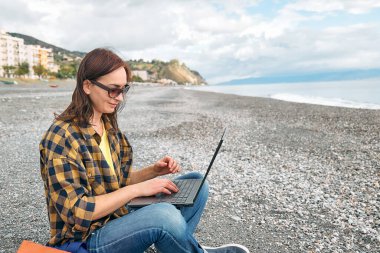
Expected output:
(95, 64)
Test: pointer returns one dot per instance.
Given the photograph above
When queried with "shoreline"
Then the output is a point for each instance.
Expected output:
(69, 85)
(348, 94)
(289, 178)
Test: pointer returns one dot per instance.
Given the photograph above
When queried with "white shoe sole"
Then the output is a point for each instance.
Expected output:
(228, 245)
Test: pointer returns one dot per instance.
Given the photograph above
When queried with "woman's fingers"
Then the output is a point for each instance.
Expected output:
(168, 187)
(157, 185)
(162, 186)
(177, 168)
(172, 163)
(171, 186)
(174, 166)
(167, 165)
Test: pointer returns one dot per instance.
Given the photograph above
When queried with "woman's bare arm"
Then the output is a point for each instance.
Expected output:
(108, 203)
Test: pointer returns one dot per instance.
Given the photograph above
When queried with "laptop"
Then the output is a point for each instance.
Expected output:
(188, 189)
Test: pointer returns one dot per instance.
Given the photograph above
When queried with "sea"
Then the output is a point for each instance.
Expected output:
(364, 93)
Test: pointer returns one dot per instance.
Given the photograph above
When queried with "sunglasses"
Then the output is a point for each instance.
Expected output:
(112, 92)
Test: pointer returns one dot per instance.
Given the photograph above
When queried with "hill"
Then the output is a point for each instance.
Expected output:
(180, 73)
(173, 70)
(29, 40)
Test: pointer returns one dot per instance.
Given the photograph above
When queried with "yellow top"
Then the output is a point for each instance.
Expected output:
(105, 148)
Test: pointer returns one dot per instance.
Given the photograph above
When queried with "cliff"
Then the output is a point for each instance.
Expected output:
(180, 73)
(173, 70)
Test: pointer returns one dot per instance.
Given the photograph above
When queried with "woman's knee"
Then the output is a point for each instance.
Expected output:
(195, 175)
(169, 219)
(191, 175)
(205, 190)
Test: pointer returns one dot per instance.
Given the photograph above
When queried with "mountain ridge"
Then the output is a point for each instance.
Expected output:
(29, 40)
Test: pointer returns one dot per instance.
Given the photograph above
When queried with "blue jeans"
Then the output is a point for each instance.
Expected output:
(168, 228)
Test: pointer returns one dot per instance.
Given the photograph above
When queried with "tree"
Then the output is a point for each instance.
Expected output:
(174, 62)
(40, 70)
(8, 69)
(22, 69)
(138, 79)
(67, 71)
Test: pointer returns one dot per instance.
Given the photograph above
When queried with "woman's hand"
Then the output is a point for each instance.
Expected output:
(155, 186)
(166, 165)
(108, 203)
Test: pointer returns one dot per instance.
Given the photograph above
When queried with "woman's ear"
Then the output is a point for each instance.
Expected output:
(86, 87)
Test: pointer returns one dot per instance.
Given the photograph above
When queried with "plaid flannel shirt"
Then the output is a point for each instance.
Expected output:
(74, 171)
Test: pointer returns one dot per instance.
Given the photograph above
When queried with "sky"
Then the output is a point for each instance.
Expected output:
(220, 39)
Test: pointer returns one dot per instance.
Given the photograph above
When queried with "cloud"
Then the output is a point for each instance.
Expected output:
(350, 6)
(220, 39)
(14, 13)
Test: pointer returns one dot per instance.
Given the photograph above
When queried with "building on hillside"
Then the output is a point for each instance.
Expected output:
(165, 81)
(46, 59)
(143, 74)
(13, 52)
(32, 58)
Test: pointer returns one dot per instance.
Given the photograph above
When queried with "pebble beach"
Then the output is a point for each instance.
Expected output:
(290, 177)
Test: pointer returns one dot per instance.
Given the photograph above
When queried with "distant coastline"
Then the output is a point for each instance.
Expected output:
(361, 94)
(344, 75)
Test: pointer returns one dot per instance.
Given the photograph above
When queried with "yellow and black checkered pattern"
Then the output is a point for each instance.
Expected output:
(74, 171)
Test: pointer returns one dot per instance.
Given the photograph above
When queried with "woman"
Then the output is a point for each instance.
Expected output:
(86, 168)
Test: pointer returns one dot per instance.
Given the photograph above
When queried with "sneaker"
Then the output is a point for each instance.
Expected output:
(228, 248)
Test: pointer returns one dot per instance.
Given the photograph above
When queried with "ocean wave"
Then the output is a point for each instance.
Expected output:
(323, 101)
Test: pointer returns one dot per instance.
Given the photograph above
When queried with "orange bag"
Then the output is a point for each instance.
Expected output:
(32, 247)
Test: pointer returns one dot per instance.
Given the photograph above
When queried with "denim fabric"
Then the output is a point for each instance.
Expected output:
(170, 229)
(73, 247)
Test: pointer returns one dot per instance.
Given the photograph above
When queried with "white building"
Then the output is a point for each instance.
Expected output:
(143, 74)
(32, 58)
(13, 51)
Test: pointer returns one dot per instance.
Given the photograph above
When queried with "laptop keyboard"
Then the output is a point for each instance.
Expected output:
(185, 187)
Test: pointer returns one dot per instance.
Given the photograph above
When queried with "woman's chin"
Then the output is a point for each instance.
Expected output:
(110, 109)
